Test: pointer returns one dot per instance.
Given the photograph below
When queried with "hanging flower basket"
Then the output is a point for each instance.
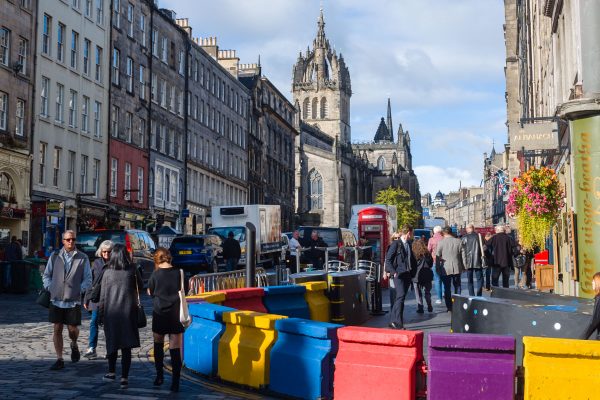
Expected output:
(535, 200)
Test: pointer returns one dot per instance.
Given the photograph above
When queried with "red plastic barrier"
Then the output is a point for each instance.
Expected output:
(377, 363)
(249, 299)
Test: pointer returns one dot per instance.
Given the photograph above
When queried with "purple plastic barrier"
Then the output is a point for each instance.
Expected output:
(470, 366)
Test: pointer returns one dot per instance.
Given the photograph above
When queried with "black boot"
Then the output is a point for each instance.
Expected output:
(159, 356)
(176, 366)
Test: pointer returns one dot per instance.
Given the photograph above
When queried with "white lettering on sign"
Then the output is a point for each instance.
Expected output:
(372, 216)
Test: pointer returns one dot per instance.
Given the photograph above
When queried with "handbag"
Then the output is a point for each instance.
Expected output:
(141, 314)
(43, 298)
(184, 313)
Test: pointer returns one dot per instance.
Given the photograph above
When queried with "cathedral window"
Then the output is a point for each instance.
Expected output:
(305, 108)
(381, 163)
(315, 190)
(315, 108)
(323, 108)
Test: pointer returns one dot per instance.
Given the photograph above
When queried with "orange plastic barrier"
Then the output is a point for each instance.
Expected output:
(377, 363)
(249, 299)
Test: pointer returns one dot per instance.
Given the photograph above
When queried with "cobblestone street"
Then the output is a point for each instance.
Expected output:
(26, 353)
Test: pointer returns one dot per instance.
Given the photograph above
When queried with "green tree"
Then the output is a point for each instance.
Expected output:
(407, 214)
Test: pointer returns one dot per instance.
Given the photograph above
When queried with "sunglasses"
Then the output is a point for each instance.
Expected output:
(69, 239)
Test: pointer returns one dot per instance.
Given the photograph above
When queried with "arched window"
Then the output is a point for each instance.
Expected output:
(315, 108)
(381, 163)
(323, 108)
(305, 108)
(7, 189)
(315, 190)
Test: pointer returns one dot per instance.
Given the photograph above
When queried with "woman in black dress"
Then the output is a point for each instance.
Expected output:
(163, 286)
(118, 308)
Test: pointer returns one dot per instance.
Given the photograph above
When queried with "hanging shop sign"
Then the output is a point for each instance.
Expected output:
(538, 136)
(14, 213)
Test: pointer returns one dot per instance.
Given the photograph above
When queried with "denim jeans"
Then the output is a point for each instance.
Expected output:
(93, 341)
(477, 275)
(232, 264)
(437, 283)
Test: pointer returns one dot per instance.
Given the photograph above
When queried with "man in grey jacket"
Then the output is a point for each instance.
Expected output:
(67, 276)
(472, 259)
(449, 261)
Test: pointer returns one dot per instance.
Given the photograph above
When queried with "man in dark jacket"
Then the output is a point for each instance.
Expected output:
(502, 246)
(14, 251)
(314, 255)
(231, 251)
(472, 259)
(67, 276)
(400, 262)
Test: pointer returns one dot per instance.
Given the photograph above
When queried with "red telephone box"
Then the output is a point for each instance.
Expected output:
(374, 226)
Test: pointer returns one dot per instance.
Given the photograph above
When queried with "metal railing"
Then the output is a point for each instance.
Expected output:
(224, 280)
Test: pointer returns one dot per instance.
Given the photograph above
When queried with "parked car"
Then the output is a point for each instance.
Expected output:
(342, 238)
(197, 253)
(139, 244)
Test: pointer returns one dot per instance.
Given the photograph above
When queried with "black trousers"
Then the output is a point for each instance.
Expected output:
(402, 283)
(125, 362)
(447, 281)
(488, 278)
(476, 273)
(496, 271)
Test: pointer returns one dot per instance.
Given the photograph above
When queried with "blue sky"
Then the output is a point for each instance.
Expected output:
(440, 61)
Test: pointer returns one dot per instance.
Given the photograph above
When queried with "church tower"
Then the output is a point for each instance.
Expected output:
(321, 87)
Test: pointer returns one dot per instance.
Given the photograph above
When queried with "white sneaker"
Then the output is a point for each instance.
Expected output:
(438, 302)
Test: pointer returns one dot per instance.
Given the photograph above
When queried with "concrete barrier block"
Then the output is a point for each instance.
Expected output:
(245, 299)
(287, 300)
(318, 303)
(207, 297)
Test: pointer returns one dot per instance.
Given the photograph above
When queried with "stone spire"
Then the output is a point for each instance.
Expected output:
(383, 133)
(389, 121)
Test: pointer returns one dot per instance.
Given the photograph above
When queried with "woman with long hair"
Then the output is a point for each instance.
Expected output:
(103, 256)
(119, 293)
(164, 286)
(594, 324)
(424, 276)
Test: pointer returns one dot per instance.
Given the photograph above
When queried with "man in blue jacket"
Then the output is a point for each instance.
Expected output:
(67, 276)
(400, 263)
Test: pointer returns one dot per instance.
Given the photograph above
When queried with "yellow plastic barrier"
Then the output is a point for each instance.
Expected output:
(561, 368)
(209, 297)
(318, 303)
(245, 347)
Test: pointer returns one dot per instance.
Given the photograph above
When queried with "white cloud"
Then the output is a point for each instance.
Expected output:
(433, 178)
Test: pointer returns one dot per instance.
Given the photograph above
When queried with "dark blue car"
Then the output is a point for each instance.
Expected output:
(195, 254)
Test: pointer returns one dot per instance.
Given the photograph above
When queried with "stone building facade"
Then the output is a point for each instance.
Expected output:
(271, 149)
(217, 131)
(330, 177)
(17, 46)
(128, 163)
(70, 144)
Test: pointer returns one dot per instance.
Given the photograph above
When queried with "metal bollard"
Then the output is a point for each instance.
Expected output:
(377, 300)
(250, 255)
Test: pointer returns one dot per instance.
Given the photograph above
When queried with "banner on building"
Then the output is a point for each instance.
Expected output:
(538, 136)
(585, 143)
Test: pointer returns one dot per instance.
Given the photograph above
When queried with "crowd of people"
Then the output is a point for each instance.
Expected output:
(110, 290)
(439, 264)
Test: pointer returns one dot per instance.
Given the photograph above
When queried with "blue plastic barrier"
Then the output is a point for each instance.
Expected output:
(287, 300)
(302, 358)
(201, 338)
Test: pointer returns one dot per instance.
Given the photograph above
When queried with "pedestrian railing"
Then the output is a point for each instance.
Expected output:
(224, 280)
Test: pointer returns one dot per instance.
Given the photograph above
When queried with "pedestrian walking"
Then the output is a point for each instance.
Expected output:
(119, 294)
(489, 261)
(400, 263)
(432, 247)
(473, 259)
(424, 275)
(14, 251)
(231, 252)
(501, 246)
(449, 260)
(103, 256)
(315, 256)
(386, 275)
(67, 276)
(164, 286)
(594, 325)
(520, 274)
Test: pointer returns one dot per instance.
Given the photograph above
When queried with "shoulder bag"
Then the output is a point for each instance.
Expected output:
(141, 314)
(44, 298)
(483, 260)
(184, 314)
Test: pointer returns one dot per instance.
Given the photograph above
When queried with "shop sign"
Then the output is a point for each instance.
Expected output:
(54, 207)
(538, 136)
(15, 213)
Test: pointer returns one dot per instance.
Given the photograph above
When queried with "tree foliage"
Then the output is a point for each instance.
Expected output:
(407, 214)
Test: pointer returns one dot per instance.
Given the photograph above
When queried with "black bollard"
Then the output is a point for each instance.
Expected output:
(377, 300)
(250, 255)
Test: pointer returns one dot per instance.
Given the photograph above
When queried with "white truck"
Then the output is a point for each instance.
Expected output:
(266, 219)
